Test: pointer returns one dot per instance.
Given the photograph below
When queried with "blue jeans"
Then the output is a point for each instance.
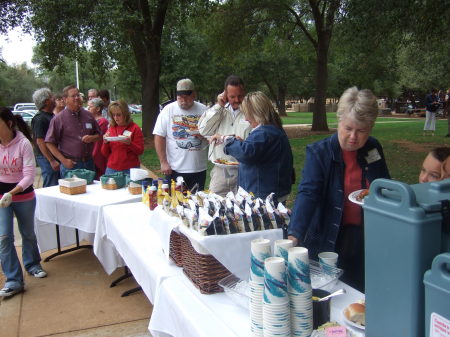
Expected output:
(49, 176)
(88, 165)
(24, 212)
(111, 171)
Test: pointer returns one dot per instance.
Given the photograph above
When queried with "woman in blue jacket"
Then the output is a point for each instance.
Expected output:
(323, 219)
(265, 157)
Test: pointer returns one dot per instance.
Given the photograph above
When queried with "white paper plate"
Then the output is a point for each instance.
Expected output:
(115, 139)
(352, 197)
(353, 324)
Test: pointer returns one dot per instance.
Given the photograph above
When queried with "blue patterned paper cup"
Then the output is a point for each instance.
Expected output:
(328, 262)
(275, 283)
(298, 272)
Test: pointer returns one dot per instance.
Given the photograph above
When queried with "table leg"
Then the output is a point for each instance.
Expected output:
(126, 275)
(131, 291)
(58, 242)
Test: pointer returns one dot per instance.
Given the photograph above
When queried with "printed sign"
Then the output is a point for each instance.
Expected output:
(336, 331)
(439, 326)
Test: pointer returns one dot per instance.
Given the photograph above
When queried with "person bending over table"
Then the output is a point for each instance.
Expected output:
(323, 219)
(265, 157)
(123, 154)
(433, 167)
(18, 169)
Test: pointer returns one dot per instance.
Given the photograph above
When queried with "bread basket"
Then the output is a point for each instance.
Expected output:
(72, 185)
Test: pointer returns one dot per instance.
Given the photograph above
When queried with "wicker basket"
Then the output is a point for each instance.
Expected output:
(110, 186)
(176, 249)
(203, 270)
(135, 190)
(73, 190)
(72, 185)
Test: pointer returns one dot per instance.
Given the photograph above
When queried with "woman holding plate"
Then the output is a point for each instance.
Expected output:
(123, 143)
(265, 157)
(323, 218)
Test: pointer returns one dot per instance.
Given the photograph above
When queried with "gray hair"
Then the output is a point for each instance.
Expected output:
(40, 96)
(360, 105)
(97, 102)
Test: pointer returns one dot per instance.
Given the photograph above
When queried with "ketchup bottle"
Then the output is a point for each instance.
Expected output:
(153, 196)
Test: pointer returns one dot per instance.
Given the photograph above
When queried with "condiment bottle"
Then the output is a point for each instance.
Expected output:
(165, 186)
(152, 196)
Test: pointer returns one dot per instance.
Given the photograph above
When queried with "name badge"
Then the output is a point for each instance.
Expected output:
(127, 133)
(373, 156)
(88, 125)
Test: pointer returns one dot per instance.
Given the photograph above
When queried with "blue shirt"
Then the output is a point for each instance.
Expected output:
(265, 161)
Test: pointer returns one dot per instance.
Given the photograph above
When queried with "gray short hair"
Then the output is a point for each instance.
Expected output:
(360, 105)
(97, 102)
(40, 96)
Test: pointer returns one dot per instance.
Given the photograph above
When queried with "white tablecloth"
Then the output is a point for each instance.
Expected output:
(179, 309)
(81, 211)
(129, 229)
(192, 314)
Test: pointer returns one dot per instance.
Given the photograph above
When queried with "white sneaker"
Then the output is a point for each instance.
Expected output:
(8, 292)
(39, 273)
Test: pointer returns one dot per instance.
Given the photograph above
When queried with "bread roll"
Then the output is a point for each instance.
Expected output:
(356, 312)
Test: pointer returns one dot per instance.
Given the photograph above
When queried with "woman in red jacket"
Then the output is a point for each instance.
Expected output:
(123, 143)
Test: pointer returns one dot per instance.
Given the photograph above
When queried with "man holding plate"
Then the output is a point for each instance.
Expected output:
(225, 118)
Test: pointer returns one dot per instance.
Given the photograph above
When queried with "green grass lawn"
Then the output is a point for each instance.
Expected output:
(403, 143)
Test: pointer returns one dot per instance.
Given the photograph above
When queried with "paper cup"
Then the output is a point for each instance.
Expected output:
(328, 261)
(275, 282)
(281, 248)
(299, 279)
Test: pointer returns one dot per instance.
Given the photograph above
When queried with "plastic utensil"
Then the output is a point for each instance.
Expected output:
(336, 293)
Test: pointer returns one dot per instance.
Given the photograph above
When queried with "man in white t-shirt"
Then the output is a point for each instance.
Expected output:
(181, 150)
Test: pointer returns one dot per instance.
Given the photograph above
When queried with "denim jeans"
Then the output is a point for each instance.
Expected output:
(88, 165)
(49, 176)
(111, 171)
(24, 212)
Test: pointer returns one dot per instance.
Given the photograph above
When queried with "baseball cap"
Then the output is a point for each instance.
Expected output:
(185, 87)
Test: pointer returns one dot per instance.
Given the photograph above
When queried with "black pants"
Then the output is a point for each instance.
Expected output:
(190, 179)
(350, 247)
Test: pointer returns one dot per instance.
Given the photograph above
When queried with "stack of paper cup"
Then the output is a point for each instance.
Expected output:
(260, 249)
(276, 312)
(281, 248)
(300, 292)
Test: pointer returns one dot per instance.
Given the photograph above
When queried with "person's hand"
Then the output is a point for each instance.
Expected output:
(222, 99)
(6, 200)
(105, 136)
(69, 163)
(216, 139)
(55, 165)
(86, 139)
(239, 138)
(294, 239)
(166, 169)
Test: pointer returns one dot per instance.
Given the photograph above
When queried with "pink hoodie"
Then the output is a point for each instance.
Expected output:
(17, 164)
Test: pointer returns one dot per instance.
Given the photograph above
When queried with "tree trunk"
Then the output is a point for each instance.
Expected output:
(319, 122)
(281, 101)
(150, 95)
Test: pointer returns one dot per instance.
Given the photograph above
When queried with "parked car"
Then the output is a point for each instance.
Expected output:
(134, 109)
(24, 106)
(27, 115)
